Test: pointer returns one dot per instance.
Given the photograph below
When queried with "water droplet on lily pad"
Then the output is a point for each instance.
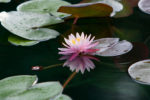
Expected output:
(140, 71)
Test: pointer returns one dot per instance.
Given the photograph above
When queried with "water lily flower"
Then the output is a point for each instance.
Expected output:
(79, 52)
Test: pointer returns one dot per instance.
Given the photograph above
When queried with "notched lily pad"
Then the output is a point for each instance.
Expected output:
(116, 5)
(43, 6)
(24, 87)
(87, 10)
(26, 25)
(114, 48)
(16, 84)
(140, 71)
(18, 41)
(144, 5)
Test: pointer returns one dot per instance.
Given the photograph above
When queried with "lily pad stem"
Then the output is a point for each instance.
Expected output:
(51, 66)
(69, 79)
(75, 20)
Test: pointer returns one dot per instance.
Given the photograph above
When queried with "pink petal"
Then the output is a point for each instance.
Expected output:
(74, 56)
(91, 50)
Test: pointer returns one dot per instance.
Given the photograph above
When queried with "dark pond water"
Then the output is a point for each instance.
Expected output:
(108, 81)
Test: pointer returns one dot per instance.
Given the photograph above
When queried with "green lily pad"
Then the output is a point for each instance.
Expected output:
(13, 85)
(42, 91)
(43, 6)
(5, 1)
(18, 41)
(63, 97)
(87, 10)
(26, 25)
(24, 87)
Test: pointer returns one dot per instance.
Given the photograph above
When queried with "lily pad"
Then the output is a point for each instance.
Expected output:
(140, 71)
(5, 1)
(144, 5)
(23, 87)
(87, 10)
(106, 43)
(116, 49)
(16, 84)
(26, 25)
(18, 41)
(116, 5)
(127, 9)
(43, 6)
(63, 97)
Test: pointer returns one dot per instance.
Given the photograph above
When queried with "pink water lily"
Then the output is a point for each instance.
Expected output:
(78, 52)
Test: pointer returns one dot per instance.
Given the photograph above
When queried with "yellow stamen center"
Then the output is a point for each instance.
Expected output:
(78, 39)
(73, 41)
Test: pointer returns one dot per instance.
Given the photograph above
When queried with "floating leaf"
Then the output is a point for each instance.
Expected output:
(5, 1)
(117, 49)
(28, 19)
(87, 10)
(18, 41)
(144, 5)
(13, 85)
(106, 43)
(23, 25)
(127, 9)
(140, 71)
(117, 6)
(43, 6)
(24, 88)
(63, 97)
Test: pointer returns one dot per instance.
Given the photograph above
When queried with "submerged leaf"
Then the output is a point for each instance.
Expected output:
(140, 71)
(87, 10)
(144, 5)
(18, 41)
(26, 25)
(43, 6)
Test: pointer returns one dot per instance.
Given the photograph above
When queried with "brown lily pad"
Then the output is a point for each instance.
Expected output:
(87, 10)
